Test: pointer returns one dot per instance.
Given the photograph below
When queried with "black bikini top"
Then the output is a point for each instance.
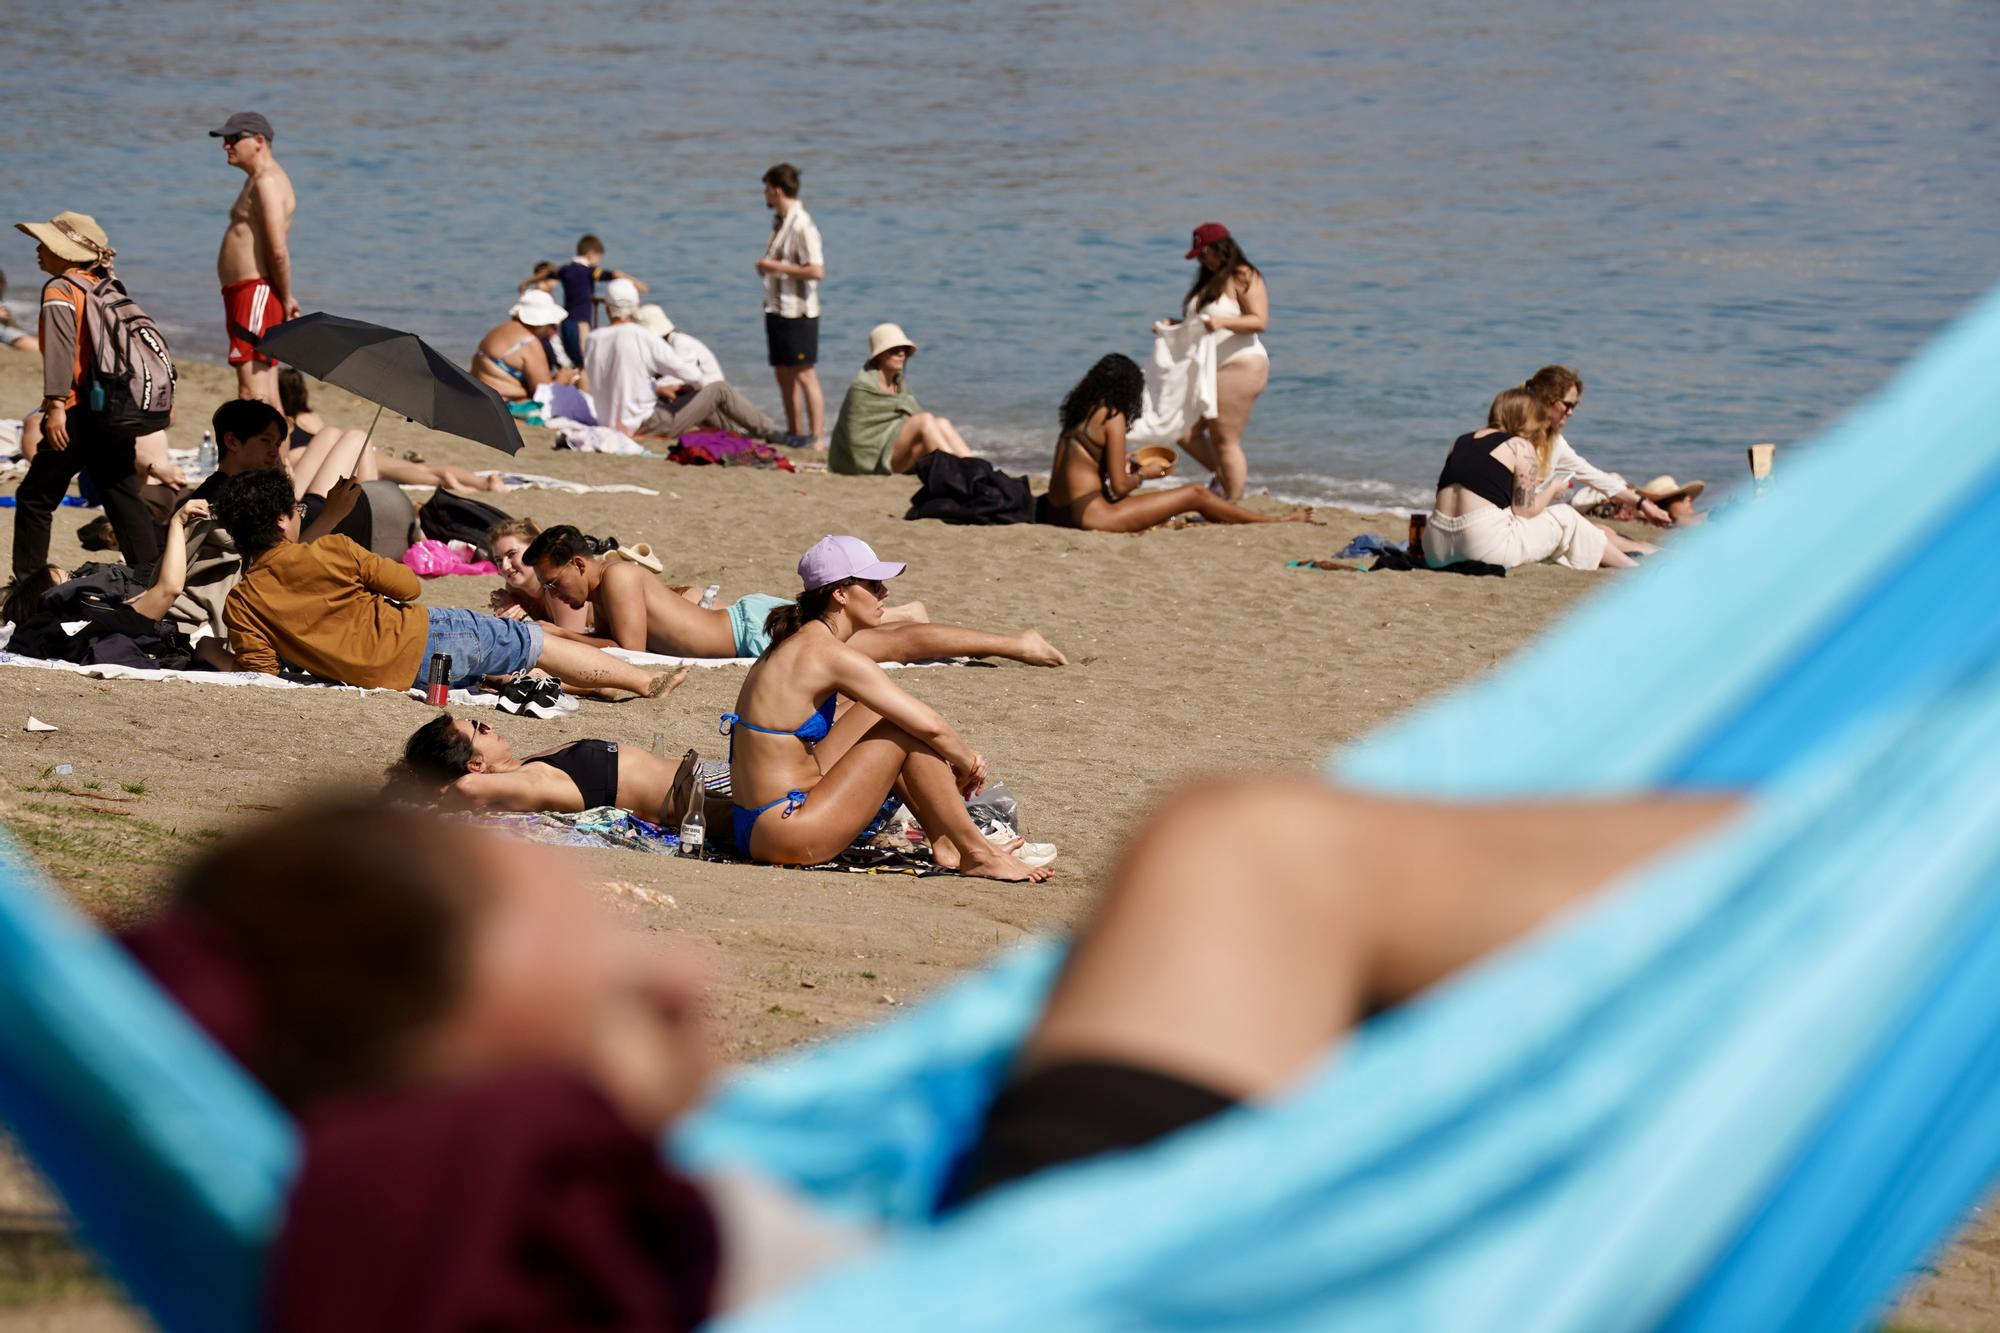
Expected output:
(591, 765)
(1471, 464)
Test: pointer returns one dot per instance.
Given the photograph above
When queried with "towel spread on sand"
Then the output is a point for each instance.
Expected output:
(585, 438)
(1180, 384)
(523, 481)
(865, 433)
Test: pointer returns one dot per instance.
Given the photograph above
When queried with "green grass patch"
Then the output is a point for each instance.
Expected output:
(114, 865)
(132, 788)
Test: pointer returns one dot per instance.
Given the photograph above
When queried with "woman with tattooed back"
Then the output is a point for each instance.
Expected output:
(1499, 498)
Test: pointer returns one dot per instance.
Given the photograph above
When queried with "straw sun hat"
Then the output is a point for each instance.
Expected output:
(887, 338)
(1664, 490)
(72, 236)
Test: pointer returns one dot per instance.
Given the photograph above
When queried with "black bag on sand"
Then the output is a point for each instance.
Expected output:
(1400, 560)
(111, 633)
(969, 490)
(451, 517)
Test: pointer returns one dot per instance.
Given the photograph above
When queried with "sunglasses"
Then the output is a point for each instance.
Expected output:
(480, 728)
(876, 588)
(233, 139)
(1569, 405)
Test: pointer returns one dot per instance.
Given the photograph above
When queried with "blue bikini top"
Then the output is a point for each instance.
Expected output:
(812, 731)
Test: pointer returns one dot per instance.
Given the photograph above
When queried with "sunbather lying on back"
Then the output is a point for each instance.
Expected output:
(471, 764)
(632, 609)
(510, 1077)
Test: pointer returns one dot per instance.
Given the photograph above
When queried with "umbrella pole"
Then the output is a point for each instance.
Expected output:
(371, 428)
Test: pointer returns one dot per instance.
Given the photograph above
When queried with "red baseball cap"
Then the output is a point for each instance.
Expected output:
(1207, 234)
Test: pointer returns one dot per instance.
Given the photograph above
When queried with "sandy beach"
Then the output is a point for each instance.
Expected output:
(1193, 653)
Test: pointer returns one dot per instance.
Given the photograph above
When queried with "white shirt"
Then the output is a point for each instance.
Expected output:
(624, 362)
(702, 369)
(796, 241)
(1591, 479)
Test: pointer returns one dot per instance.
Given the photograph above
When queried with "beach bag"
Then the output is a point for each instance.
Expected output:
(383, 520)
(450, 517)
(969, 490)
(132, 385)
(87, 621)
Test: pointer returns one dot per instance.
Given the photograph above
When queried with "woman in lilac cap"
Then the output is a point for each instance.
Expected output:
(804, 788)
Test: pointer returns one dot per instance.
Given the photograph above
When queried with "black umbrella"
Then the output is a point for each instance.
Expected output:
(397, 370)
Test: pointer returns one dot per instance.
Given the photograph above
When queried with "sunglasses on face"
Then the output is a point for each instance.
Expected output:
(479, 728)
(876, 588)
(1568, 405)
(233, 139)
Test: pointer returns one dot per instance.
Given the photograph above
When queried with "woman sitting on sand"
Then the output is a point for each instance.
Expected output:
(512, 1077)
(804, 789)
(1091, 481)
(513, 358)
(313, 442)
(881, 429)
(1496, 498)
(473, 766)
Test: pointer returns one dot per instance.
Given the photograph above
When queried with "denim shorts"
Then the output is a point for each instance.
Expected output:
(479, 644)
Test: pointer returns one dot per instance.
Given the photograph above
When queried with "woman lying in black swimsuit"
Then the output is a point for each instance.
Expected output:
(474, 766)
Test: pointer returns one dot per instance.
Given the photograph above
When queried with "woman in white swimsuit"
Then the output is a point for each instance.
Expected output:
(1228, 296)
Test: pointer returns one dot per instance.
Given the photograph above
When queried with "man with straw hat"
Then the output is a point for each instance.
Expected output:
(74, 251)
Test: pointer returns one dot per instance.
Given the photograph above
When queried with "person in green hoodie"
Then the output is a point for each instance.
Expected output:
(881, 429)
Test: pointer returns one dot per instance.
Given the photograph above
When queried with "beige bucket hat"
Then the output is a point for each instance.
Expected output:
(1663, 490)
(887, 338)
(73, 236)
(655, 320)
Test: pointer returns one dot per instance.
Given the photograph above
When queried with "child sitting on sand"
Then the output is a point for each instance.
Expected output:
(632, 609)
(338, 610)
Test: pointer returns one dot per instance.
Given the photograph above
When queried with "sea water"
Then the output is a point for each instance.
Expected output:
(1734, 218)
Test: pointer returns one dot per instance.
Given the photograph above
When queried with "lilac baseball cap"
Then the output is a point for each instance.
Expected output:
(835, 558)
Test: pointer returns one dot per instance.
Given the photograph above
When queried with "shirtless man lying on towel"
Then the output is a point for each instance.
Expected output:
(634, 610)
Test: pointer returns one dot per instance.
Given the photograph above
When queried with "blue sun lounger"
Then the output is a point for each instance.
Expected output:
(1750, 1087)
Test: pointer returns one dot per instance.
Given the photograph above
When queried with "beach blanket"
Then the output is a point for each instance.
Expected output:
(1180, 384)
(698, 448)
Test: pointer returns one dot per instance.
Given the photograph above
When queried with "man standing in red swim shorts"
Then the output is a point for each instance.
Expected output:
(255, 265)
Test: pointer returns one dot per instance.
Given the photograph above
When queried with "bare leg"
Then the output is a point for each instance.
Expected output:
(581, 665)
(256, 380)
(30, 345)
(1199, 445)
(1236, 388)
(923, 434)
(815, 404)
(843, 802)
(1148, 509)
(788, 391)
(921, 643)
(1236, 962)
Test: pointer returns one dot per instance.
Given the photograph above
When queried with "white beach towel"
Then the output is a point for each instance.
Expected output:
(523, 481)
(593, 439)
(1180, 384)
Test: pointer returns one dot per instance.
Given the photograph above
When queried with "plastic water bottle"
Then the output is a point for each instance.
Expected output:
(708, 596)
(694, 828)
(205, 458)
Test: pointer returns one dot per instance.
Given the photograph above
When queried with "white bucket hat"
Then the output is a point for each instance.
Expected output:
(621, 297)
(537, 309)
(887, 338)
(655, 320)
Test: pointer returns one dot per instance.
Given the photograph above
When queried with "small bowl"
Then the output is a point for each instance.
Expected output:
(1156, 453)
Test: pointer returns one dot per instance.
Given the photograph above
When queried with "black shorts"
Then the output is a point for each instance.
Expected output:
(794, 343)
(1074, 1110)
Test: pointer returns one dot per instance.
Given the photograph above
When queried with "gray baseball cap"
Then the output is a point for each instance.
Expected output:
(245, 122)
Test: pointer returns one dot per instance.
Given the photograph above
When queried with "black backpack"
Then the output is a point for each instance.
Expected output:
(132, 383)
(451, 517)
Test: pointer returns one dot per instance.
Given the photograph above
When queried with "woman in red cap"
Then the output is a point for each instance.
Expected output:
(1228, 297)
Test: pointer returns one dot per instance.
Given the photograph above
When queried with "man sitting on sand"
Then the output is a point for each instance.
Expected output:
(628, 365)
(634, 610)
(336, 609)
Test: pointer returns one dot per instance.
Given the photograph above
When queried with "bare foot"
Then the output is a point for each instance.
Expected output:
(1301, 516)
(988, 862)
(1038, 651)
(664, 684)
(945, 852)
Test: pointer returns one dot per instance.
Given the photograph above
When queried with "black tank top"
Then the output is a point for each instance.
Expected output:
(1471, 464)
(591, 765)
